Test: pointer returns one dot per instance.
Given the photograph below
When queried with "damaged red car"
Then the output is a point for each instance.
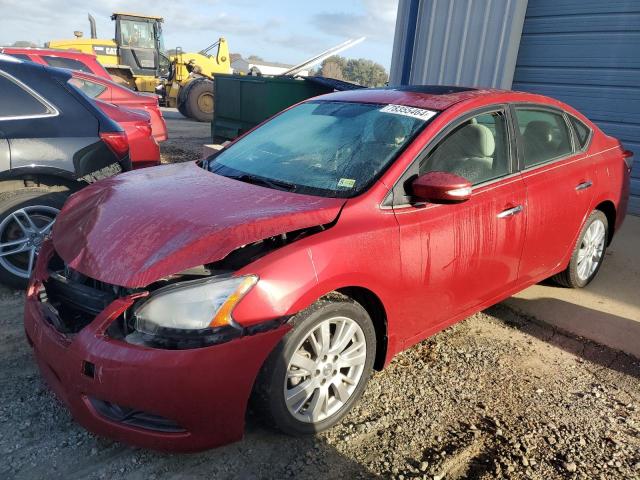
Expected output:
(309, 252)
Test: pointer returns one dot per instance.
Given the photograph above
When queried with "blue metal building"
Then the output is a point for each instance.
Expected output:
(583, 52)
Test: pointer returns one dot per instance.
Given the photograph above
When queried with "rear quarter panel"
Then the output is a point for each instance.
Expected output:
(612, 174)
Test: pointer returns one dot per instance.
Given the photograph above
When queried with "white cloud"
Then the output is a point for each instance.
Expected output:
(377, 21)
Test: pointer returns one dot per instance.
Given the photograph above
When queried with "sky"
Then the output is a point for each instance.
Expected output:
(286, 31)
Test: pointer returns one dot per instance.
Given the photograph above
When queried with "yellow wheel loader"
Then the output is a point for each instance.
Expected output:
(136, 57)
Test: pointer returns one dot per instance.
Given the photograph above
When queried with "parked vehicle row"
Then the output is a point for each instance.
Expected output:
(309, 252)
(59, 131)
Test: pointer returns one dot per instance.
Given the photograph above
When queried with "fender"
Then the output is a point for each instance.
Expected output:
(44, 175)
(276, 296)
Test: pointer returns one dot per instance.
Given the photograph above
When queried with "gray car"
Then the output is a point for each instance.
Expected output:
(53, 142)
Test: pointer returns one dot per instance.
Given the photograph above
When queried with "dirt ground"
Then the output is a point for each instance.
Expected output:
(496, 396)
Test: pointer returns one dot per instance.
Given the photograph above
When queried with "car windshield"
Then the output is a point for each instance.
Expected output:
(332, 149)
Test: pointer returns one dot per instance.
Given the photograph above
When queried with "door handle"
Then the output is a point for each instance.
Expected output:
(584, 185)
(510, 212)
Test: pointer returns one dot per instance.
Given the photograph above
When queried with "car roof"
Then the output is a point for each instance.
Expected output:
(432, 97)
(47, 51)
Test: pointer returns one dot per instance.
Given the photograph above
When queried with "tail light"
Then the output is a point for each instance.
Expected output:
(628, 158)
(117, 143)
(145, 128)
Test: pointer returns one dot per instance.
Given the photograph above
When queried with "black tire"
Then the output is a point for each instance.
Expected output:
(25, 198)
(269, 394)
(570, 277)
(195, 98)
(181, 100)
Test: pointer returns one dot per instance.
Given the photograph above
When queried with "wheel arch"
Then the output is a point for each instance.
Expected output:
(38, 177)
(609, 209)
(375, 308)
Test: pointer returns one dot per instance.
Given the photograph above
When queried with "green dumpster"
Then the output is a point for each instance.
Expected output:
(242, 101)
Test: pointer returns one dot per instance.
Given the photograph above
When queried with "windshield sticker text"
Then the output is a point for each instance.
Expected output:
(413, 112)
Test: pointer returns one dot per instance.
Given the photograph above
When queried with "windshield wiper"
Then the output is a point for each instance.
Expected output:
(264, 182)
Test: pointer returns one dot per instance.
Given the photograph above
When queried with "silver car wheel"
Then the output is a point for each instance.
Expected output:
(21, 235)
(591, 250)
(325, 369)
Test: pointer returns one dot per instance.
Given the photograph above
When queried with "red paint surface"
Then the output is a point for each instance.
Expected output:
(429, 265)
(143, 147)
(136, 101)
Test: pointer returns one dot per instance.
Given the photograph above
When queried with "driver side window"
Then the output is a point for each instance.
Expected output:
(477, 149)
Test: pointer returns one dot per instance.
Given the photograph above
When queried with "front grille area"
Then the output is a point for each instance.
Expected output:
(76, 299)
(135, 418)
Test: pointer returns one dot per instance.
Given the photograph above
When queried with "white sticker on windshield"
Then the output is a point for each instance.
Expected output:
(346, 182)
(414, 112)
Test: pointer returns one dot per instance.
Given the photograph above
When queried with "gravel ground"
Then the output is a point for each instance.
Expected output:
(496, 396)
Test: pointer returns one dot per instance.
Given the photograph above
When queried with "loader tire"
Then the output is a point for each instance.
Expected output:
(199, 100)
(181, 100)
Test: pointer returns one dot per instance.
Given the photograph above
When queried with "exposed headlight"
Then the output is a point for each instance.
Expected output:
(188, 307)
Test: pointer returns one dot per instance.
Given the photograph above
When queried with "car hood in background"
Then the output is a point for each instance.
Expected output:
(135, 228)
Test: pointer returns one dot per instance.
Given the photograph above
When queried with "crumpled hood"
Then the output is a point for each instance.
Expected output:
(137, 227)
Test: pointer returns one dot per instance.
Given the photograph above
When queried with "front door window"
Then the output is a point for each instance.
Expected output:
(477, 150)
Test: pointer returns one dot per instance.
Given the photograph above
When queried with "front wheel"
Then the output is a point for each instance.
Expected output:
(588, 254)
(198, 103)
(26, 218)
(320, 368)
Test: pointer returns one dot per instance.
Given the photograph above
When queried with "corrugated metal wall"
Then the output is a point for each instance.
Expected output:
(587, 54)
(457, 42)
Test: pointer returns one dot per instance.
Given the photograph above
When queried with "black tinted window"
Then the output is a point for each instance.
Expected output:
(582, 132)
(545, 135)
(17, 102)
(69, 63)
(20, 56)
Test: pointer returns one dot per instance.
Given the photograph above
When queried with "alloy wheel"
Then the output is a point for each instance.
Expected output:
(21, 235)
(325, 369)
(591, 249)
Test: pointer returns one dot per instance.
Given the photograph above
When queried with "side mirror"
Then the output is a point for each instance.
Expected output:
(441, 187)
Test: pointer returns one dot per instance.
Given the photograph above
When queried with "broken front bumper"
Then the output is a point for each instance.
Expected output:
(174, 400)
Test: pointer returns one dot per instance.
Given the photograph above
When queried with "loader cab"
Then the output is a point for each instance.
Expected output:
(140, 43)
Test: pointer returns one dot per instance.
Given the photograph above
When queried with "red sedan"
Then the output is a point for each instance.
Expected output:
(309, 252)
(107, 91)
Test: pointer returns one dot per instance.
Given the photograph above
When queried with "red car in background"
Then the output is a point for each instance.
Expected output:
(109, 91)
(310, 251)
(92, 78)
(83, 62)
(143, 147)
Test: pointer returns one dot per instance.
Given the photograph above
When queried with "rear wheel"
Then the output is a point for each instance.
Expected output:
(320, 368)
(589, 252)
(26, 218)
(198, 102)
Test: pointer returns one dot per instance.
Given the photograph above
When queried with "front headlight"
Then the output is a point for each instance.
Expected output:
(192, 306)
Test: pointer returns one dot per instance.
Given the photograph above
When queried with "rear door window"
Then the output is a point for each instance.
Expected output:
(583, 132)
(90, 89)
(545, 136)
(69, 63)
(18, 102)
